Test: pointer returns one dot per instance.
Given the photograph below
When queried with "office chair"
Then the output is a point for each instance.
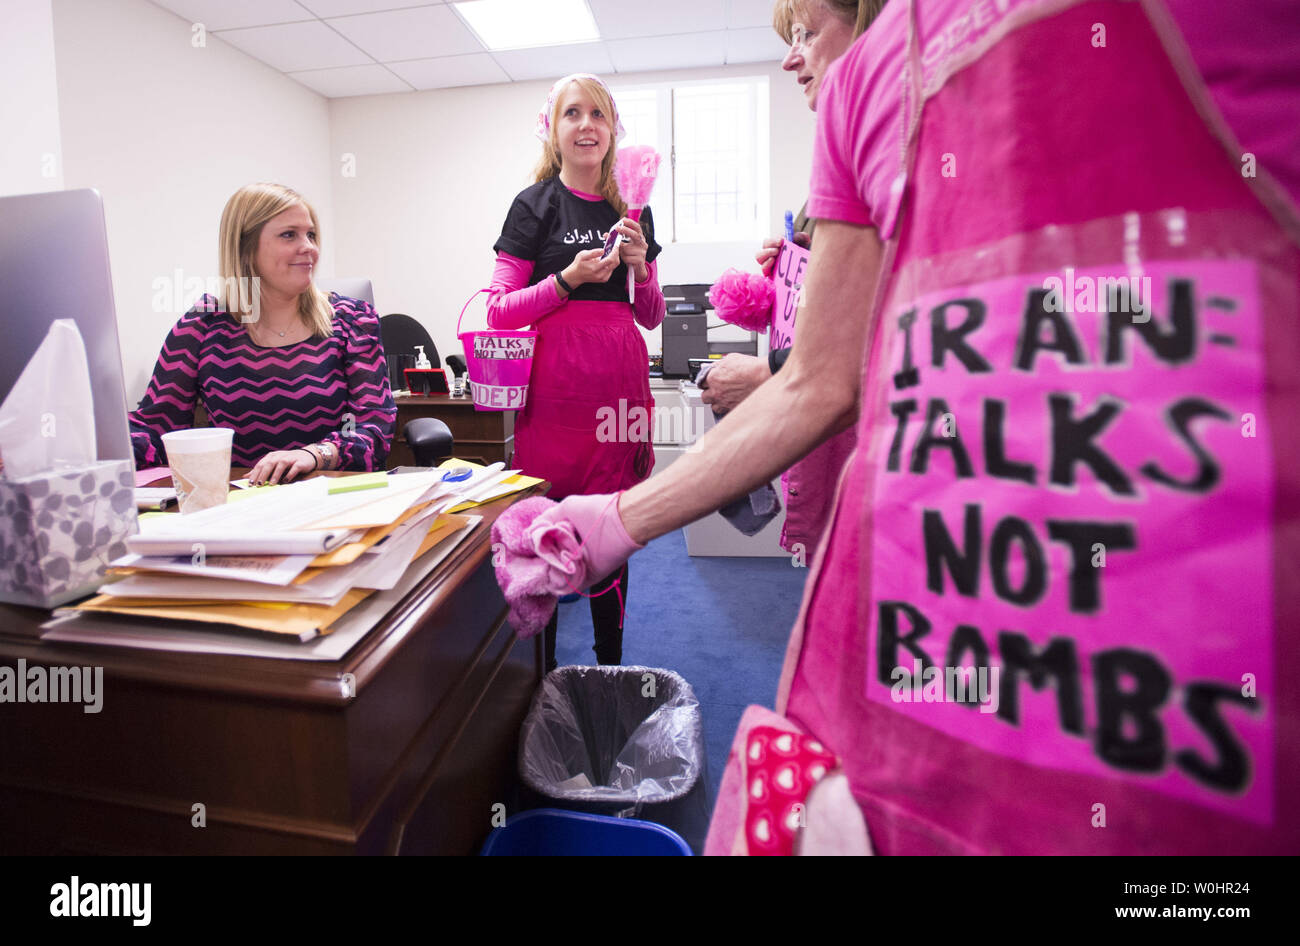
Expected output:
(457, 365)
(401, 334)
(430, 440)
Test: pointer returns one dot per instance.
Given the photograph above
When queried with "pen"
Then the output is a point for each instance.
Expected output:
(789, 226)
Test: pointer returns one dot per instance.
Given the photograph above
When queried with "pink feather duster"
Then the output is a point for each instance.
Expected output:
(636, 168)
(744, 299)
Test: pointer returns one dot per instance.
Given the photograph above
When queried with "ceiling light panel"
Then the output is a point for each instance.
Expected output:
(521, 24)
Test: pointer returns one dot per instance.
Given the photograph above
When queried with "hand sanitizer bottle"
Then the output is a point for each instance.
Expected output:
(421, 361)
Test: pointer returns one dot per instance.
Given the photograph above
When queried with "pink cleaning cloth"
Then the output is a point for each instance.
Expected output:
(523, 577)
(543, 549)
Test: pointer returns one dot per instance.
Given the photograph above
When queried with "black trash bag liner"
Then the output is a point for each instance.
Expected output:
(619, 740)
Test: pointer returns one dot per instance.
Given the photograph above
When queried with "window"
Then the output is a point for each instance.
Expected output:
(713, 135)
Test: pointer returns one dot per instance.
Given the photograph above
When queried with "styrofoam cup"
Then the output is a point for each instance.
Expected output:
(200, 465)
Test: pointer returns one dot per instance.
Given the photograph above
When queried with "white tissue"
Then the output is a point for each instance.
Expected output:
(47, 422)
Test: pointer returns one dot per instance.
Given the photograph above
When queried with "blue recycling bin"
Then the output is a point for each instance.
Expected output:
(550, 832)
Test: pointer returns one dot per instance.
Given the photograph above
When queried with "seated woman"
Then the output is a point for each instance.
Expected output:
(298, 375)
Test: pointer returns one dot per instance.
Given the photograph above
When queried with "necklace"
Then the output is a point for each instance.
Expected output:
(265, 332)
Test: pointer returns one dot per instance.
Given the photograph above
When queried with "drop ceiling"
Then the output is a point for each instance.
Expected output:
(365, 47)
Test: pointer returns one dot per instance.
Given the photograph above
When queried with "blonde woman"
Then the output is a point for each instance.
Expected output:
(586, 424)
(818, 32)
(298, 375)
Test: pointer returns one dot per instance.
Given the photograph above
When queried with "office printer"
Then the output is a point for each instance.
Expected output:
(685, 331)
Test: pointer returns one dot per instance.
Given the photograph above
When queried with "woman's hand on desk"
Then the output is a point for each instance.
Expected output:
(282, 466)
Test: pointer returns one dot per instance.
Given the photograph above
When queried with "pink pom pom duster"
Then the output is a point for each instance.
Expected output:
(744, 299)
(636, 168)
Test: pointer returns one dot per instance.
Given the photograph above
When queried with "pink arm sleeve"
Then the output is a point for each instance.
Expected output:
(649, 309)
(512, 303)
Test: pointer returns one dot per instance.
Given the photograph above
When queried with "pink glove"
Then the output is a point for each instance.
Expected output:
(582, 539)
(543, 549)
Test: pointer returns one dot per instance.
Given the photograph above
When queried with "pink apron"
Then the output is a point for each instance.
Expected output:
(587, 424)
(1079, 513)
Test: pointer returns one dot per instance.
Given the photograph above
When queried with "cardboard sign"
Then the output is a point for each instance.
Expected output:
(791, 264)
(1079, 498)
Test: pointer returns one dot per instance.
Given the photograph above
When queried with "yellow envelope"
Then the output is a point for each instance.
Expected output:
(297, 620)
(440, 527)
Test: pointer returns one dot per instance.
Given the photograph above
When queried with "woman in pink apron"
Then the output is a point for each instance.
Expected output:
(1059, 599)
(818, 32)
(586, 426)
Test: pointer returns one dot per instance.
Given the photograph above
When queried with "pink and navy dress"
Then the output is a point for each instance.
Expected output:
(586, 426)
(333, 389)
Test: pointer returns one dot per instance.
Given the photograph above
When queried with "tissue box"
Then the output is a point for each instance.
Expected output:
(59, 530)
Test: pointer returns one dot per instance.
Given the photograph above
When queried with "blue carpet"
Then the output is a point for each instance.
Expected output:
(721, 623)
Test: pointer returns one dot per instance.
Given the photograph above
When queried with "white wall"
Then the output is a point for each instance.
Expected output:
(436, 171)
(30, 159)
(166, 132)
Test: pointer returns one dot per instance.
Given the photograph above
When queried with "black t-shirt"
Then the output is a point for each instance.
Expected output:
(549, 225)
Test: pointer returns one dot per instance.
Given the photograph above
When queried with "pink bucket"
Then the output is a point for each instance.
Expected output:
(499, 364)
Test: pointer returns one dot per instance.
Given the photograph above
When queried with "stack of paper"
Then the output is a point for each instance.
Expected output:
(494, 483)
(291, 559)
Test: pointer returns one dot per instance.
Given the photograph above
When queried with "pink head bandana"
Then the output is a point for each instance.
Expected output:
(543, 129)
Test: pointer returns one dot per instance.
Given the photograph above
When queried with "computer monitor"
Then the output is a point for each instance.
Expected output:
(54, 265)
(353, 288)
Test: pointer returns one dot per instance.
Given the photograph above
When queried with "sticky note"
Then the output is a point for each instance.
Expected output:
(350, 484)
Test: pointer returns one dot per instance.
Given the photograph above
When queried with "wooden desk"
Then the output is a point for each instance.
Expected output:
(481, 436)
(284, 761)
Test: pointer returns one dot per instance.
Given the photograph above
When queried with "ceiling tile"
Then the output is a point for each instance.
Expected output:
(324, 8)
(420, 33)
(233, 14)
(747, 13)
(688, 51)
(297, 46)
(760, 44)
(551, 62)
(618, 19)
(351, 80)
(478, 69)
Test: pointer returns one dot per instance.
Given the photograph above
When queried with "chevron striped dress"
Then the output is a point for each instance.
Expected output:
(331, 389)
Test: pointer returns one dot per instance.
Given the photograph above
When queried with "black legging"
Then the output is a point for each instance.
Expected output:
(606, 617)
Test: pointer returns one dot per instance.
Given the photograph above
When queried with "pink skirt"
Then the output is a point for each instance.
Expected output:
(587, 425)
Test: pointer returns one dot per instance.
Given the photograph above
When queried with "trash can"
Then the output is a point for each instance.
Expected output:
(545, 832)
(619, 741)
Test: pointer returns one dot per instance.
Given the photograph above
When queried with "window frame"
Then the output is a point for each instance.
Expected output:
(666, 101)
